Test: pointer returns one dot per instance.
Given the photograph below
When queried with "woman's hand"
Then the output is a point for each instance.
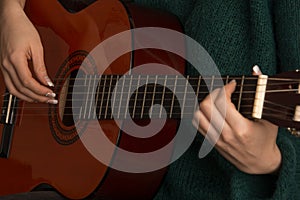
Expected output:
(21, 56)
(249, 145)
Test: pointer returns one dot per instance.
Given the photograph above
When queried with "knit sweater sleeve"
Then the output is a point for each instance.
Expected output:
(283, 185)
(287, 36)
(286, 184)
(286, 23)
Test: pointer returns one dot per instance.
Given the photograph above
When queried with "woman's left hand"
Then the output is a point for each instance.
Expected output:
(249, 145)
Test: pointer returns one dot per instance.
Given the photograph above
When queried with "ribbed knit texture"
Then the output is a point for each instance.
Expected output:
(237, 34)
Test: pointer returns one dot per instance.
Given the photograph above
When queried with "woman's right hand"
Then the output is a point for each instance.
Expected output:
(21, 56)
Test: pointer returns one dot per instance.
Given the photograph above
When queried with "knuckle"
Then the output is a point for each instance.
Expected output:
(40, 70)
(26, 82)
(12, 91)
(245, 137)
(226, 137)
(220, 102)
(205, 104)
(226, 148)
(5, 63)
(14, 55)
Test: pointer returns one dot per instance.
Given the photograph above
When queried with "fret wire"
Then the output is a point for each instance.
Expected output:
(184, 95)
(163, 95)
(240, 95)
(108, 97)
(153, 95)
(102, 97)
(172, 104)
(136, 95)
(80, 112)
(97, 96)
(197, 92)
(92, 95)
(87, 98)
(212, 83)
(227, 79)
(121, 96)
(145, 91)
(81, 108)
(128, 97)
(114, 99)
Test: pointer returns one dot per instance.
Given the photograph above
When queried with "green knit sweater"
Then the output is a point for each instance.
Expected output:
(237, 34)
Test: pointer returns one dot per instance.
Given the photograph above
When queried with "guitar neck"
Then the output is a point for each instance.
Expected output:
(141, 96)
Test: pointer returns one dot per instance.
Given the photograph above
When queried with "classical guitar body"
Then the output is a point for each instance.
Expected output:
(40, 143)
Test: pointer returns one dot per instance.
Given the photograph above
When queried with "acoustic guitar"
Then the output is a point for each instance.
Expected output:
(42, 144)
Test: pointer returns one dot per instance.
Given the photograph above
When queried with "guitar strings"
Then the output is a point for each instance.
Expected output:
(266, 108)
(184, 85)
(178, 92)
(115, 78)
(167, 94)
(170, 77)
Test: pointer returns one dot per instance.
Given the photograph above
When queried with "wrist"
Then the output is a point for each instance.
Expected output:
(10, 9)
(272, 162)
(276, 161)
(20, 3)
(11, 6)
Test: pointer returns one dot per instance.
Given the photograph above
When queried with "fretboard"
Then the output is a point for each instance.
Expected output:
(155, 96)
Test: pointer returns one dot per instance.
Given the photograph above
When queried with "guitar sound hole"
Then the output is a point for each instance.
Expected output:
(66, 107)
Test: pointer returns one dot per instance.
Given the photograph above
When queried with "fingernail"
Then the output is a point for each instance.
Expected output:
(52, 101)
(49, 82)
(232, 81)
(50, 94)
(256, 69)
